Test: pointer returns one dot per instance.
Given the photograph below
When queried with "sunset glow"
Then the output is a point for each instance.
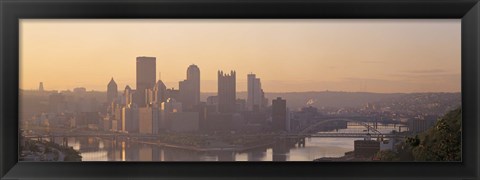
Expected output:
(288, 55)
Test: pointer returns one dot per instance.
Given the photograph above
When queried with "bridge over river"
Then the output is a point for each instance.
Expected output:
(298, 137)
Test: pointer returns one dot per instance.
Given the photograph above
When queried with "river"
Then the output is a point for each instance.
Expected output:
(97, 149)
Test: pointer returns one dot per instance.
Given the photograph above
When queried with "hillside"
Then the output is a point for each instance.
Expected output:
(441, 142)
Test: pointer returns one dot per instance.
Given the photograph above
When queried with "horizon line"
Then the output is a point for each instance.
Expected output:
(313, 91)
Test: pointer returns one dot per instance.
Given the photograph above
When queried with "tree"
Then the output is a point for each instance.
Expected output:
(442, 142)
(387, 155)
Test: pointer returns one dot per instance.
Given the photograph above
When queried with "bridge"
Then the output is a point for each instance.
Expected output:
(154, 136)
(298, 136)
(312, 128)
(310, 131)
(344, 135)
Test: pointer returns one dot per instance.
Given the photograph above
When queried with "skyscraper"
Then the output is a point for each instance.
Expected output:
(112, 91)
(127, 93)
(193, 76)
(190, 88)
(146, 72)
(279, 114)
(40, 87)
(255, 93)
(226, 92)
(160, 92)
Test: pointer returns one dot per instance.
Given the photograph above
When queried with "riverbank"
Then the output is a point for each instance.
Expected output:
(33, 150)
(349, 156)
(222, 147)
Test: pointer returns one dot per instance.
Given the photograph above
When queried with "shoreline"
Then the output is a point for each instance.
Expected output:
(207, 149)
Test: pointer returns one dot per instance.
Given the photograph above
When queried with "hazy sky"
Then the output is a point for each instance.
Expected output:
(287, 55)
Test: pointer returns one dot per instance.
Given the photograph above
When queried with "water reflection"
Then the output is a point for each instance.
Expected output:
(97, 149)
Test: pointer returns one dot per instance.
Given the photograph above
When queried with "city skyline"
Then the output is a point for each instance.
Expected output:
(424, 68)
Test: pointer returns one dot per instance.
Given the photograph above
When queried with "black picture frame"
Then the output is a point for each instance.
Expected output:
(13, 10)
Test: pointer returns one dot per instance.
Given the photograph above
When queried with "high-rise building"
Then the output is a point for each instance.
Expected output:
(149, 97)
(117, 116)
(127, 93)
(190, 88)
(185, 94)
(193, 76)
(160, 93)
(172, 94)
(279, 114)
(226, 92)
(148, 118)
(40, 87)
(171, 105)
(112, 91)
(255, 95)
(146, 72)
(130, 119)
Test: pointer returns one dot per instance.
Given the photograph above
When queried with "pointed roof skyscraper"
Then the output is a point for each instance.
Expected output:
(112, 91)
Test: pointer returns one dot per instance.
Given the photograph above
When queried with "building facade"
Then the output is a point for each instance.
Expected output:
(112, 91)
(366, 148)
(226, 92)
(255, 95)
(279, 114)
(146, 74)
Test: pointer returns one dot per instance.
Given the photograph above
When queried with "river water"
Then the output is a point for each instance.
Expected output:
(97, 149)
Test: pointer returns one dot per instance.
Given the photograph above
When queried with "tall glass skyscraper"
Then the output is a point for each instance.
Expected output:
(146, 74)
(255, 95)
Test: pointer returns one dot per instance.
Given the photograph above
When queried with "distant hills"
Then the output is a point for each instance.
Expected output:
(297, 100)
(337, 99)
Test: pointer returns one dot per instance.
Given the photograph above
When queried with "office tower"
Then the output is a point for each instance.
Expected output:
(174, 119)
(127, 119)
(40, 87)
(146, 71)
(190, 88)
(148, 118)
(279, 114)
(185, 94)
(130, 118)
(250, 90)
(255, 97)
(172, 94)
(160, 93)
(117, 116)
(171, 105)
(149, 97)
(112, 91)
(127, 93)
(193, 76)
(226, 92)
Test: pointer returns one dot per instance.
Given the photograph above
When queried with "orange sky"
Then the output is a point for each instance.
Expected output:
(287, 55)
